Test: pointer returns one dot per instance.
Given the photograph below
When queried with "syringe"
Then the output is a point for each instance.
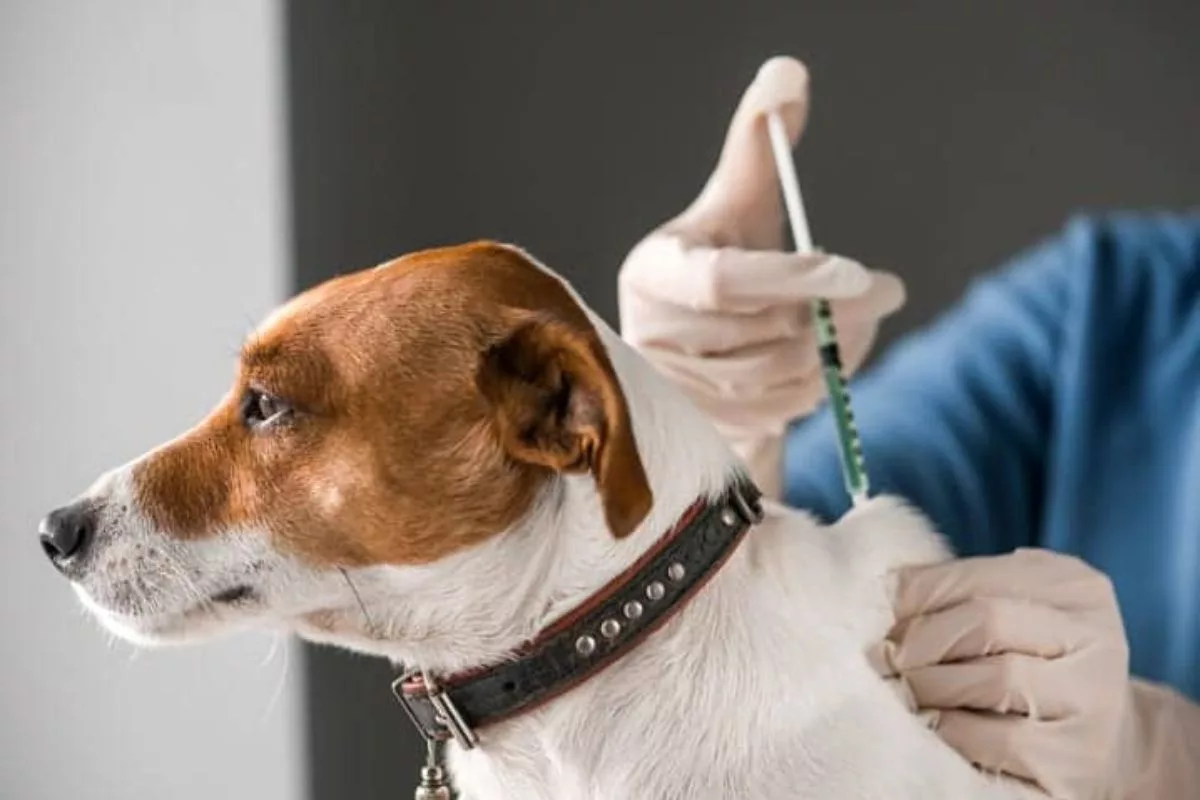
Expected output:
(854, 470)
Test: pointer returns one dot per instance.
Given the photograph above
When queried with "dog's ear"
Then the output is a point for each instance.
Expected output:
(557, 404)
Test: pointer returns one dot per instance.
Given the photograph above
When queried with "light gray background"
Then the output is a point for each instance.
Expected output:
(142, 228)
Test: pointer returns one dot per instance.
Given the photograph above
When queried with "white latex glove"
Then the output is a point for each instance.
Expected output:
(713, 303)
(1163, 738)
(1020, 663)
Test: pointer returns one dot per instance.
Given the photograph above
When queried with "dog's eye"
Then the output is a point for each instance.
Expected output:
(260, 408)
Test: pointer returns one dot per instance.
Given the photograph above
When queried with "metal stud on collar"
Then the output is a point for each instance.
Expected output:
(585, 645)
(447, 715)
(656, 591)
(610, 629)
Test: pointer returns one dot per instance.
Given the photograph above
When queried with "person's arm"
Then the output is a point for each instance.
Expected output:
(956, 419)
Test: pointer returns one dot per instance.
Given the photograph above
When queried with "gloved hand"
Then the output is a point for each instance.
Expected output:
(1020, 663)
(1163, 738)
(713, 303)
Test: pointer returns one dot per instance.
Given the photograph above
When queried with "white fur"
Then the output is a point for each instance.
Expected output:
(758, 688)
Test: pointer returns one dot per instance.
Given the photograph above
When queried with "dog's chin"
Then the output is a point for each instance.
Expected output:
(224, 614)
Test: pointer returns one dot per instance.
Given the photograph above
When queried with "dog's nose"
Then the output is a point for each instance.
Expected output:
(67, 532)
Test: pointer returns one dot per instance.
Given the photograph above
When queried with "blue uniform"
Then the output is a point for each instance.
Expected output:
(1057, 406)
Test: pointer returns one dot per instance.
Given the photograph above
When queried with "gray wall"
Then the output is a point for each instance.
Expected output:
(142, 228)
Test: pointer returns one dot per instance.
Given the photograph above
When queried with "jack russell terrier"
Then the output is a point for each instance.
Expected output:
(451, 462)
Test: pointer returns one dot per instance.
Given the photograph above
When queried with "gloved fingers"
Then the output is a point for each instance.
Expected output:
(696, 275)
(928, 716)
(650, 321)
(743, 188)
(1009, 683)
(884, 297)
(999, 743)
(748, 371)
(1045, 755)
(749, 280)
(763, 398)
(780, 85)
(998, 682)
(986, 626)
(766, 411)
(666, 325)
(1064, 710)
(1160, 755)
(1037, 575)
(882, 658)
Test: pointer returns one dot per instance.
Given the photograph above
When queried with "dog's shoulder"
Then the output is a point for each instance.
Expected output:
(845, 571)
(887, 533)
(871, 540)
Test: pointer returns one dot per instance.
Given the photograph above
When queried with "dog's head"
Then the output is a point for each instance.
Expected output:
(390, 418)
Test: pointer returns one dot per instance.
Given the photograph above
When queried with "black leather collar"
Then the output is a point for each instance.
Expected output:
(597, 633)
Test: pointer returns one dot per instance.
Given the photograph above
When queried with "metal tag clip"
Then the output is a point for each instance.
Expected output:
(450, 719)
(434, 784)
(446, 714)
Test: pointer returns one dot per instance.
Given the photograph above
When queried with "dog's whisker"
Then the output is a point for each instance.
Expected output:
(185, 583)
(371, 630)
(278, 644)
(274, 644)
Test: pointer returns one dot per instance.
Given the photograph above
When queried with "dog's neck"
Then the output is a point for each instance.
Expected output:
(476, 607)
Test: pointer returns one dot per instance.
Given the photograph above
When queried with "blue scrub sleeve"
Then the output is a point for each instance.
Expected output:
(957, 418)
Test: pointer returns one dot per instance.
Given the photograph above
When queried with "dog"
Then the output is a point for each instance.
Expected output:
(448, 459)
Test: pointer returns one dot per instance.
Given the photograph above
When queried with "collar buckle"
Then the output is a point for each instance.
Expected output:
(431, 711)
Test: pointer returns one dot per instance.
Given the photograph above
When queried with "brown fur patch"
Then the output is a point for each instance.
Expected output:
(394, 455)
